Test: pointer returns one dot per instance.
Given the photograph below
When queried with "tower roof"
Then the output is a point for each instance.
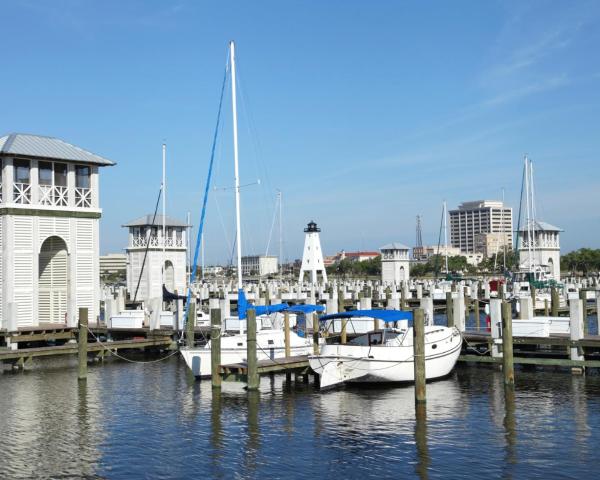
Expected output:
(540, 226)
(312, 227)
(39, 146)
(146, 221)
(394, 246)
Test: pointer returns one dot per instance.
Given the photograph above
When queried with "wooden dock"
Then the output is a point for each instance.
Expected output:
(238, 372)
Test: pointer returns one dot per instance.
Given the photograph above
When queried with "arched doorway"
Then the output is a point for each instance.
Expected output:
(53, 281)
(402, 274)
(169, 276)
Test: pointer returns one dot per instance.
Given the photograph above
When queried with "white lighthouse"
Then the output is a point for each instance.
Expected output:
(162, 254)
(49, 214)
(312, 258)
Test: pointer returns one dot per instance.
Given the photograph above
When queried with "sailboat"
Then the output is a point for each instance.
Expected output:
(385, 355)
(270, 342)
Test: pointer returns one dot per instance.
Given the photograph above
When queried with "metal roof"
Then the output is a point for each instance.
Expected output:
(146, 221)
(541, 226)
(394, 246)
(47, 147)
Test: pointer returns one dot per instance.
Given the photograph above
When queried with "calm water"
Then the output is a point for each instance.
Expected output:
(154, 421)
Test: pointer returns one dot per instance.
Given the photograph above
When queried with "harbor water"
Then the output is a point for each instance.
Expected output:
(155, 421)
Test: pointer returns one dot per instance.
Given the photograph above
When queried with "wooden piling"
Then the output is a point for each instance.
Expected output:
(476, 314)
(449, 309)
(583, 298)
(251, 358)
(501, 291)
(419, 355)
(82, 343)
(190, 323)
(507, 346)
(215, 347)
(315, 333)
(533, 295)
(554, 302)
(286, 333)
(546, 310)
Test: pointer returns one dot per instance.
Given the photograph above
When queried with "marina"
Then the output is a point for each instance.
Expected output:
(316, 239)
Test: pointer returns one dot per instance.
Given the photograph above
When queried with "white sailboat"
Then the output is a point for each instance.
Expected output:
(270, 342)
(385, 355)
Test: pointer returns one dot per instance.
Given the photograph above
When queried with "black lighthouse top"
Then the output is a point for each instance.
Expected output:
(312, 227)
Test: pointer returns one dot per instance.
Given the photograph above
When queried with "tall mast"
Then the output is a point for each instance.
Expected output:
(280, 239)
(238, 239)
(188, 230)
(528, 214)
(446, 234)
(164, 208)
(533, 219)
(503, 233)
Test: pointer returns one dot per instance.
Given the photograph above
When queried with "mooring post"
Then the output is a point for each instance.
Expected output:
(576, 309)
(546, 311)
(501, 291)
(251, 358)
(215, 347)
(449, 309)
(190, 323)
(554, 302)
(286, 333)
(82, 343)
(476, 314)
(315, 333)
(507, 346)
(419, 354)
(583, 298)
(495, 323)
(533, 295)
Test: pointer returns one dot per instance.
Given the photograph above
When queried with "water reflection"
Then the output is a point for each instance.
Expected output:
(216, 438)
(510, 429)
(421, 441)
(253, 443)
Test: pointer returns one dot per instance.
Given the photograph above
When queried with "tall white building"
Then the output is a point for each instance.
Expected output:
(543, 253)
(481, 216)
(146, 240)
(49, 236)
(312, 257)
(395, 263)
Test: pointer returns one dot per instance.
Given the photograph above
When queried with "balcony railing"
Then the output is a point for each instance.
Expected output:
(22, 193)
(83, 197)
(54, 195)
(155, 241)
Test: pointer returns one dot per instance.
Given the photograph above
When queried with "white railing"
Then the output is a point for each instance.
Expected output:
(83, 197)
(22, 193)
(179, 242)
(54, 195)
(139, 241)
(155, 241)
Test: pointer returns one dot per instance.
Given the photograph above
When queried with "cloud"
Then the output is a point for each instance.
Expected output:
(523, 91)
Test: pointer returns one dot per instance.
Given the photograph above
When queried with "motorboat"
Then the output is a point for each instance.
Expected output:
(385, 355)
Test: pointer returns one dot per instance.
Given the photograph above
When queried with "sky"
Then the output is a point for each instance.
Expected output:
(363, 114)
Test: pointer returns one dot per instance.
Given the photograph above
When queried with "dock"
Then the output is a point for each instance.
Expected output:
(238, 372)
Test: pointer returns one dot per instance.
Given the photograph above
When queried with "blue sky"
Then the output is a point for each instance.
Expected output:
(364, 114)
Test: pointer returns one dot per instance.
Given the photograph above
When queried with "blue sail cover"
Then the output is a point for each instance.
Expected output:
(387, 316)
(308, 308)
(244, 306)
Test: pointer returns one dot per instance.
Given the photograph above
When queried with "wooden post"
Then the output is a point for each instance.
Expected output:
(449, 309)
(476, 314)
(191, 321)
(252, 360)
(215, 347)
(344, 335)
(501, 291)
(402, 297)
(533, 292)
(176, 325)
(507, 346)
(341, 309)
(286, 333)
(315, 333)
(546, 311)
(82, 343)
(467, 314)
(554, 301)
(419, 355)
(583, 298)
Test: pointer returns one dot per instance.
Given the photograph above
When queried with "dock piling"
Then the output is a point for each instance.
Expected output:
(419, 355)
(315, 323)
(215, 347)
(82, 343)
(190, 323)
(554, 302)
(507, 346)
(449, 309)
(253, 379)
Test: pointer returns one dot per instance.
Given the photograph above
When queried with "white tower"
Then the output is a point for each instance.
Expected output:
(312, 258)
(169, 253)
(542, 256)
(49, 229)
(395, 266)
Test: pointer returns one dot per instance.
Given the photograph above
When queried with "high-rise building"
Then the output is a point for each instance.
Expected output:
(480, 217)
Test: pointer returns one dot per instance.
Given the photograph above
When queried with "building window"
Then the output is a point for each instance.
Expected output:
(60, 174)
(45, 173)
(82, 176)
(21, 169)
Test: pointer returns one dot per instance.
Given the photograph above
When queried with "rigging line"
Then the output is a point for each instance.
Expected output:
(147, 243)
(204, 202)
(272, 225)
(221, 221)
(519, 216)
(437, 257)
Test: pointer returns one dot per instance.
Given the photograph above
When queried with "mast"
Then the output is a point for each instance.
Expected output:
(164, 208)
(528, 214)
(536, 271)
(503, 234)
(280, 239)
(238, 239)
(446, 234)
(188, 230)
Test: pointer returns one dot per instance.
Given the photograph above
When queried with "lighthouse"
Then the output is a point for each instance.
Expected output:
(312, 258)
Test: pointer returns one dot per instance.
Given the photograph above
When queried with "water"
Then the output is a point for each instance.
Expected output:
(155, 421)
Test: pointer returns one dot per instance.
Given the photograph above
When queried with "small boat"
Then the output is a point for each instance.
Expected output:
(385, 355)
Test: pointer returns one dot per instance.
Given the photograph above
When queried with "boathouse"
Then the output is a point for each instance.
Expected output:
(539, 249)
(155, 257)
(49, 239)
